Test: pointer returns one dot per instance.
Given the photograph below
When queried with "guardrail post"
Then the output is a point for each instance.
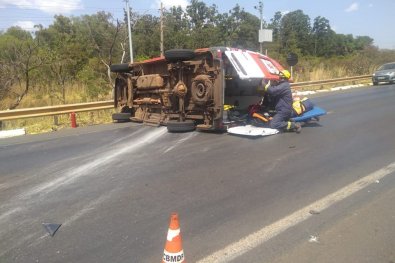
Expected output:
(56, 120)
(73, 120)
(91, 117)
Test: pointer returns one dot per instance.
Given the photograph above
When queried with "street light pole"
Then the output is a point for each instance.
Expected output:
(130, 31)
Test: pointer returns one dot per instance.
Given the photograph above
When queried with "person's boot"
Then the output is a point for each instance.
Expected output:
(294, 126)
(297, 127)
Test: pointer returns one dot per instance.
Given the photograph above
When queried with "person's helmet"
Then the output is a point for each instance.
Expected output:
(284, 74)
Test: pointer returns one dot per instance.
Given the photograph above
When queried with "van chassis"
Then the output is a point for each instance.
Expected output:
(183, 90)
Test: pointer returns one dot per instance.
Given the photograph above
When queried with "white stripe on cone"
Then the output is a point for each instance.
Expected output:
(172, 234)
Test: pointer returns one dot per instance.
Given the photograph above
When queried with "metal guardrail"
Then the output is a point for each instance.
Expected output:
(55, 110)
(103, 105)
(329, 81)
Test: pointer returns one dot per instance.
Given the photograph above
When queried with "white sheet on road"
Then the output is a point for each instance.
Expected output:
(249, 130)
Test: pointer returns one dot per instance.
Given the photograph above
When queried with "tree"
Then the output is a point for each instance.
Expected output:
(344, 44)
(275, 25)
(200, 15)
(247, 35)
(146, 36)
(295, 33)
(103, 33)
(363, 42)
(66, 53)
(203, 29)
(176, 29)
(94, 79)
(323, 37)
(20, 59)
(239, 28)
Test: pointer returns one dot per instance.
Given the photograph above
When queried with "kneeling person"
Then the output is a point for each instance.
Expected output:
(281, 95)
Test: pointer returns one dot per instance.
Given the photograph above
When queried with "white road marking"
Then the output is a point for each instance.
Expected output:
(257, 238)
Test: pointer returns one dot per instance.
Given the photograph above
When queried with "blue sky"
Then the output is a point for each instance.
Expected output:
(372, 18)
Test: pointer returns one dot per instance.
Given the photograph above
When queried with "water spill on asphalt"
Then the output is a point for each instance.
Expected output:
(99, 162)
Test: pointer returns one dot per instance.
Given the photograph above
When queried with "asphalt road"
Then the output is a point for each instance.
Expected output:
(325, 195)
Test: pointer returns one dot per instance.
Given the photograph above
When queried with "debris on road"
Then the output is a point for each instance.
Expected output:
(313, 239)
(51, 228)
(314, 212)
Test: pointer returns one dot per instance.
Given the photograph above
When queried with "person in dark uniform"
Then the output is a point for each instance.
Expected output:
(281, 96)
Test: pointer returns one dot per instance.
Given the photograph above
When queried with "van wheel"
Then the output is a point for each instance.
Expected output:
(180, 126)
(201, 90)
(174, 55)
(121, 117)
(118, 68)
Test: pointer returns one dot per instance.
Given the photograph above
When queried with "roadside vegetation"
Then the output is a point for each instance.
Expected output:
(68, 61)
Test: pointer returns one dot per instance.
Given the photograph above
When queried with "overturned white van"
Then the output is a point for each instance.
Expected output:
(187, 89)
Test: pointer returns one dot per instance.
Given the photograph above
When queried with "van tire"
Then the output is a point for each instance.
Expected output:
(180, 126)
(201, 90)
(121, 117)
(174, 55)
(118, 68)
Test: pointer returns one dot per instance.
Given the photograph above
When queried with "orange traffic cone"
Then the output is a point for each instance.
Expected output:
(173, 252)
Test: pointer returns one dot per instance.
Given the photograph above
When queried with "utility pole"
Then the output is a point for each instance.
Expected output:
(260, 7)
(161, 30)
(130, 31)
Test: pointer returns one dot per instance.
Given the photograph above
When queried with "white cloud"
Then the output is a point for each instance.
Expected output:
(4, 3)
(47, 6)
(352, 8)
(170, 3)
(26, 25)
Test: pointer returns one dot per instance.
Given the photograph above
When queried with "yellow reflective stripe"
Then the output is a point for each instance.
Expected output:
(297, 106)
(228, 107)
(289, 125)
